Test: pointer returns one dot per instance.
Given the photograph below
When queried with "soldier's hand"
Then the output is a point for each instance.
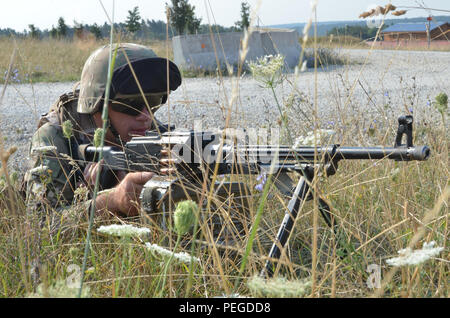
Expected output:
(90, 172)
(128, 190)
(124, 198)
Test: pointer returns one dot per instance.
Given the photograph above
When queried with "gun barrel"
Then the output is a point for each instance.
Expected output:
(266, 153)
(305, 155)
(420, 153)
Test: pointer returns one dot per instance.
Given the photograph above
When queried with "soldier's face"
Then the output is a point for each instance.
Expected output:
(128, 125)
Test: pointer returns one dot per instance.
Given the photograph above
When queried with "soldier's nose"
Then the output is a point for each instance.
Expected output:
(144, 114)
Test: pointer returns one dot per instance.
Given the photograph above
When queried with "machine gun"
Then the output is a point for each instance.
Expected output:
(199, 155)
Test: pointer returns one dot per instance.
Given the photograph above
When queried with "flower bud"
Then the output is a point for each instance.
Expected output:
(184, 216)
(441, 103)
(98, 137)
(67, 129)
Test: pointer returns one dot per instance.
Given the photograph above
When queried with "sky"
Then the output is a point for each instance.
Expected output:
(18, 14)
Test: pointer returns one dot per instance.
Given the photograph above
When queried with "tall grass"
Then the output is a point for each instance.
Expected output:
(380, 206)
(53, 60)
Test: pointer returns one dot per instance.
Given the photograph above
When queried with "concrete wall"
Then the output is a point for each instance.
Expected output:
(199, 51)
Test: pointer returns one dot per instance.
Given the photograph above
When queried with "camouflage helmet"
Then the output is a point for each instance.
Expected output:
(95, 71)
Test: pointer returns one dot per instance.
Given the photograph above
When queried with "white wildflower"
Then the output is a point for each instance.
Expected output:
(395, 173)
(123, 230)
(39, 170)
(182, 256)
(59, 290)
(415, 257)
(324, 137)
(268, 70)
(278, 287)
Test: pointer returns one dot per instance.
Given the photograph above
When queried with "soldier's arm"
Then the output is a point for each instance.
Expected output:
(51, 185)
(53, 169)
(53, 178)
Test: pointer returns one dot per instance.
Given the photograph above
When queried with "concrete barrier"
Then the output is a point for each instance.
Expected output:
(206, 51)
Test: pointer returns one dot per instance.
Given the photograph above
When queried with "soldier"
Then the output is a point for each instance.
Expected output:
(140, 83)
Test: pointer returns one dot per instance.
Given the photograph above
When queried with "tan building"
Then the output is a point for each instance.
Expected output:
(417, 32)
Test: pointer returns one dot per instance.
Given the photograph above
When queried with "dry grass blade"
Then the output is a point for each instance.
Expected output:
(429, 216)
(381, 206)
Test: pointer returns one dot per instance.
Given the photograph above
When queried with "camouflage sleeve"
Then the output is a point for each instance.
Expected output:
(51, 184)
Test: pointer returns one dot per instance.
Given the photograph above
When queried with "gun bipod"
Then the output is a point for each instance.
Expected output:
(302, 192)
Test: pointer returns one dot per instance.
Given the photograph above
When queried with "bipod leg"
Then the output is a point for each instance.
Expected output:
(300, 194)
(325, 212)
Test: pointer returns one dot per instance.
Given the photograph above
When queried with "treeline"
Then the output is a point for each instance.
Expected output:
(182, 17)
(149, 29)
(362, 32)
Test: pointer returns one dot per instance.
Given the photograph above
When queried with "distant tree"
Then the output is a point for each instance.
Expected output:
(133, 20)
(96, 31)
(244, 23)
(157, 29)
(78, 29)
(178, 16)
(183, 18)
(62, 28)
(34, 33)
(54, 32)
(193, 24)
(359, 31)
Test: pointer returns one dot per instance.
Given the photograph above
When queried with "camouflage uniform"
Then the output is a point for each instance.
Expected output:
(57, 174)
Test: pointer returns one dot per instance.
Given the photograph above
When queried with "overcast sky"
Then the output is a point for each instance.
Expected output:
(18, 14)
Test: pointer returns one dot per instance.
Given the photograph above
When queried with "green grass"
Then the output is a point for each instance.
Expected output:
(52, 60)
(365, 200)
(379, 205)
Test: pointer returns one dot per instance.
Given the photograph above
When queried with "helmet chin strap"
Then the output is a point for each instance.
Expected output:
(114, 131)
(110, 126)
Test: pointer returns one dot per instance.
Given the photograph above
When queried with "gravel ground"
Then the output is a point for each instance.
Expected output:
(398, 79)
